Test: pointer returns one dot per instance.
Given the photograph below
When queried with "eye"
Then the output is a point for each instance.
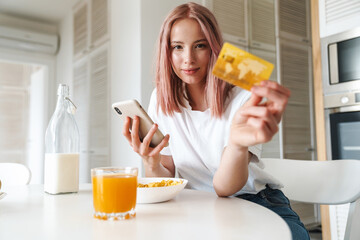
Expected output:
(200, 45)
(177, 47)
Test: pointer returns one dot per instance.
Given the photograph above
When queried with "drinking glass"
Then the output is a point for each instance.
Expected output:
(114, 192)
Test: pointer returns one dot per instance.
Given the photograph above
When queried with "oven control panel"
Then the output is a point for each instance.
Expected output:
(342, 100)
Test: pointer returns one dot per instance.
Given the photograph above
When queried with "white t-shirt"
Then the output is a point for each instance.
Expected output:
(197, 141)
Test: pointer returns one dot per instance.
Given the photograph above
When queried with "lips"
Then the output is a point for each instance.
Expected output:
(190, 71)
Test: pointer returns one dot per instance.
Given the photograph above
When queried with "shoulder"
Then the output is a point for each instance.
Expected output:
(152, 104)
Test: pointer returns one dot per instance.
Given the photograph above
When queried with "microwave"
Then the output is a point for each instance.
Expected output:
(340, 55)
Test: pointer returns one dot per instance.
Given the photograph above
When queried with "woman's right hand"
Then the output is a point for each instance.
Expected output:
(151, 156)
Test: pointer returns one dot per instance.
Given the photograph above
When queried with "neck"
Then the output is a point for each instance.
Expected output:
(196, 94)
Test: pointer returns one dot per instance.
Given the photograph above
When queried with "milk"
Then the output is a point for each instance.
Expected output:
(61, 173)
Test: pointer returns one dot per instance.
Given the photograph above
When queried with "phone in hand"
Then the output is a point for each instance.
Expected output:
(132, 108)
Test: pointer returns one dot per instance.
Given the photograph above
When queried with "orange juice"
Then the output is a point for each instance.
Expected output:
(114, 194)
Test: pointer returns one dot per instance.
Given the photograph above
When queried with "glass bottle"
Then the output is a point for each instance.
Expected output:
(62, 146)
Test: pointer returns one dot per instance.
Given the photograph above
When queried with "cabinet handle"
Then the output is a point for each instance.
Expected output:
(309, 149)
(305, 40)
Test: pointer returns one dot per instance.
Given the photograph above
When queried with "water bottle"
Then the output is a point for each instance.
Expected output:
(62, 147)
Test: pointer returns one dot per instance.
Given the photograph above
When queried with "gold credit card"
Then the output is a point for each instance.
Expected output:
(241, 68)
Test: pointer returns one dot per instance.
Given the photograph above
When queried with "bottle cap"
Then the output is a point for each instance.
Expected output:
(63, 90)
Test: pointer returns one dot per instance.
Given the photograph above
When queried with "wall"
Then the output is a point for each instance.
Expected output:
(125, 72)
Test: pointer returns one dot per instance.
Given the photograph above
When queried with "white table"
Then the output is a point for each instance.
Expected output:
(29, 213)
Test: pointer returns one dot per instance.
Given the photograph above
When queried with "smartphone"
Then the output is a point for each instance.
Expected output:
(132, 108)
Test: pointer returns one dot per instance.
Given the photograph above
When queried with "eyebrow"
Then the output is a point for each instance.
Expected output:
(197, 41)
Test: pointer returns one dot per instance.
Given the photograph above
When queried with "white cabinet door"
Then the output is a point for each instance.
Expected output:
(81, 29)
(271, 149)
(99, 108)
(91, 95)
(232, 19)
(336, 16)
(294, 20)
(90, 26)
(99, 22)
(298, 132)
(295, 74)
(81, 100)
(262, 24)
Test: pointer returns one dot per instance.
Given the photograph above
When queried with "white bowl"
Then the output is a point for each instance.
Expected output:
(158, 194)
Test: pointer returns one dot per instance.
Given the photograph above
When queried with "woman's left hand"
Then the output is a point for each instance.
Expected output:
(256, 122)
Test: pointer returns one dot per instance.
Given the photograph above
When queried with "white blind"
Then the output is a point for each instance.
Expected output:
(14, 100)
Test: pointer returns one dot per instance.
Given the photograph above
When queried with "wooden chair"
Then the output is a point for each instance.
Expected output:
(322, 182)
(14, 174)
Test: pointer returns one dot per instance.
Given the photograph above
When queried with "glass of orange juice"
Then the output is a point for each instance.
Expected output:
(114, 192)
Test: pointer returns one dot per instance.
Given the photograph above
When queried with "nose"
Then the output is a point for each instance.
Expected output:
(189, 56)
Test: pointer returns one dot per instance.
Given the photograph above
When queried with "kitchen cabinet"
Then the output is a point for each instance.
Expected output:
(338, 16)
(91, 85)
(232, 17)
(271, 149)
(298, 125)
(294, 20)
(262, 24)
(91, 26)
(247, 23)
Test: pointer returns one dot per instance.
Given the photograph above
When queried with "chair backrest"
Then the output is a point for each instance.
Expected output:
(322, 182)
(14, 174)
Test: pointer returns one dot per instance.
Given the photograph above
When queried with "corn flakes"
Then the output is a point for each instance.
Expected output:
(163, 183)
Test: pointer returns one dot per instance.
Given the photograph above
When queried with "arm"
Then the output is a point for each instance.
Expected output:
(165, 168)
(254, 123)
(156, 165)
(232, 173)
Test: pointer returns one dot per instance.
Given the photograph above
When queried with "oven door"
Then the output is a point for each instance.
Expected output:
(343, 132)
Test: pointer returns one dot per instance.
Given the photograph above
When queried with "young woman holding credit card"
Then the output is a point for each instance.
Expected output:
(216, 128)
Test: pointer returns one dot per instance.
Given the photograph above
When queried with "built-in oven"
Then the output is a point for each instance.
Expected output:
(340, 56)
(342, 118)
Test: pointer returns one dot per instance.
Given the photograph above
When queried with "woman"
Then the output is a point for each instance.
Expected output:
(216, 129)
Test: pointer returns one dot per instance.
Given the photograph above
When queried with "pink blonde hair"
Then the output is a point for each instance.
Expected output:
(170, 88)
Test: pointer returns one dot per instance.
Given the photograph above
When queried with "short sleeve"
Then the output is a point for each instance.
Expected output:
(256, 151)
(152, 106)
